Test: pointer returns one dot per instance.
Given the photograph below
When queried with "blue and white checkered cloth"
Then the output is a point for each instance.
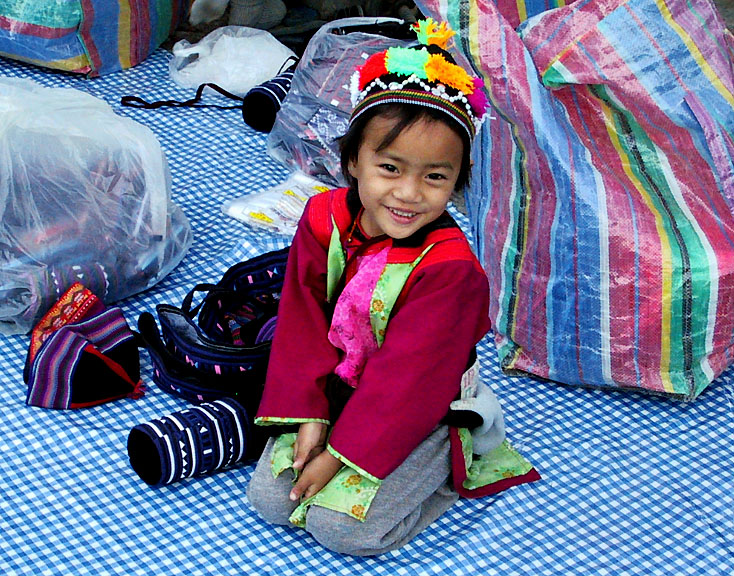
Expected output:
(632, 485)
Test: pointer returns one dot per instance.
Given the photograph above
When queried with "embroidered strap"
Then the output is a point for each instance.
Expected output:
(72, 307)
(136, 102)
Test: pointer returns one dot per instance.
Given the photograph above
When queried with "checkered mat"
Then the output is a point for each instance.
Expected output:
(631, 484)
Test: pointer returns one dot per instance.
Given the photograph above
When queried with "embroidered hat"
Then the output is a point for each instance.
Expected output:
(81, 354)
(425, 75)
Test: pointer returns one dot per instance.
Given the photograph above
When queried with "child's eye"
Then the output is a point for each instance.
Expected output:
(436, 176)
(389, 167)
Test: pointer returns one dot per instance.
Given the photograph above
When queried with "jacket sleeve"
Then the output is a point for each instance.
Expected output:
(301, 355)
(408, 384)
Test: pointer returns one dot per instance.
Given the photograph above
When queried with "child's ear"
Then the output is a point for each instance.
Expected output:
(352, 166)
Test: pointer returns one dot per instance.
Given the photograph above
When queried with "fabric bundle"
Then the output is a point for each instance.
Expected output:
(193, 442)
(603, 189)
(316, 113)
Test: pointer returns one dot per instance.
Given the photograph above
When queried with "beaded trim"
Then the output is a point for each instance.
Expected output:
(420, 94)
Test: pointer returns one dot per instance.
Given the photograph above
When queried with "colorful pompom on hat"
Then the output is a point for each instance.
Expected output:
(424, 75)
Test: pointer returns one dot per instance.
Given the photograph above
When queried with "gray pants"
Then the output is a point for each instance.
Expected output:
(408, 500)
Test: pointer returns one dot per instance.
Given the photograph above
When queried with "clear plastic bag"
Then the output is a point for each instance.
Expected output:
(84, 197)
(236, 58)
(277, 209)
(316, 111)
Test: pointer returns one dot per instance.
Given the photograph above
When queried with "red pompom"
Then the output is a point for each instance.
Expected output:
(373, 68)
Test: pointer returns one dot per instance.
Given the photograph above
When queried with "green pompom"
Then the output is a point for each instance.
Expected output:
(407, 61)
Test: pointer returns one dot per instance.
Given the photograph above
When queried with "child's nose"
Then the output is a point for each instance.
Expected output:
(408, 190)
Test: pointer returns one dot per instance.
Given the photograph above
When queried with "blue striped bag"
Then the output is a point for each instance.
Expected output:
(91, 37)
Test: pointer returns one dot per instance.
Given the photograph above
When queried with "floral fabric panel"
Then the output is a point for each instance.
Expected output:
(336, 261)
(347, 492)
(387, 291)
(266, 420)
(499, 464)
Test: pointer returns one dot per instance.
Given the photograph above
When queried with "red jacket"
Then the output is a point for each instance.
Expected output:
(409, 382)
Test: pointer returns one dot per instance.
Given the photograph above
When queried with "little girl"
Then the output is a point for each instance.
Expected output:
(373, 356)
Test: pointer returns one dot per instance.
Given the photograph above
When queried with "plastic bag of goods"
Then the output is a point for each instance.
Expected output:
(85, 196)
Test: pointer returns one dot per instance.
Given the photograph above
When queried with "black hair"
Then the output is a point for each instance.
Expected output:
(406, 115)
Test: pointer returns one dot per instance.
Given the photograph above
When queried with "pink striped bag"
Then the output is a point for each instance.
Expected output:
(603, 189)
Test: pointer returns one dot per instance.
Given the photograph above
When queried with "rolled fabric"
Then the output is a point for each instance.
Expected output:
(197, 441)
(262, 103)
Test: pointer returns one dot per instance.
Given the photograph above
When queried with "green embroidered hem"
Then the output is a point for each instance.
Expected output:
(499, 464)
(352, 465)
(347, 492)
(266, 420)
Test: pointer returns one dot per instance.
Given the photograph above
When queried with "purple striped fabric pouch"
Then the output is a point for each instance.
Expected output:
(81, 354)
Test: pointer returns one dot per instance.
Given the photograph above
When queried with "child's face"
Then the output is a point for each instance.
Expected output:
(407, 184)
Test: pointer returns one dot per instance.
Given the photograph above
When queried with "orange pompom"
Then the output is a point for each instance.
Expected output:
(433, 33)
(438, 69)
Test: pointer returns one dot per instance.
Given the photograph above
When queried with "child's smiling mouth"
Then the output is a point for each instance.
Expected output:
(403, 214)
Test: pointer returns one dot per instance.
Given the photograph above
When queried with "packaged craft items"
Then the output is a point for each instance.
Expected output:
(85, 196)
(279, 208)
(225, 57)
(316, 112)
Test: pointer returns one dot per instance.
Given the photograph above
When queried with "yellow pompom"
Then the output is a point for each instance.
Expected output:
(429, 32)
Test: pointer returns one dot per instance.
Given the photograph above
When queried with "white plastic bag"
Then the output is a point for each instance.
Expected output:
(235, 58)
(84, 197)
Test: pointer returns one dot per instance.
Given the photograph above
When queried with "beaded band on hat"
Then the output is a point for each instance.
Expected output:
(424, 75)
(407, 96)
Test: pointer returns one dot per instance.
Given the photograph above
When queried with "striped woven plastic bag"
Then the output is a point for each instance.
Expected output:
(603, 189)
(91, 37)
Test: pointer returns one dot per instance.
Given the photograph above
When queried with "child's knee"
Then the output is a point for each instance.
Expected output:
(342, 533)
(334, 530)
(270, 501)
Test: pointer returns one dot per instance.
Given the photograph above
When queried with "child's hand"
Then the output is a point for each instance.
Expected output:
(309, 444)
(315, 476)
